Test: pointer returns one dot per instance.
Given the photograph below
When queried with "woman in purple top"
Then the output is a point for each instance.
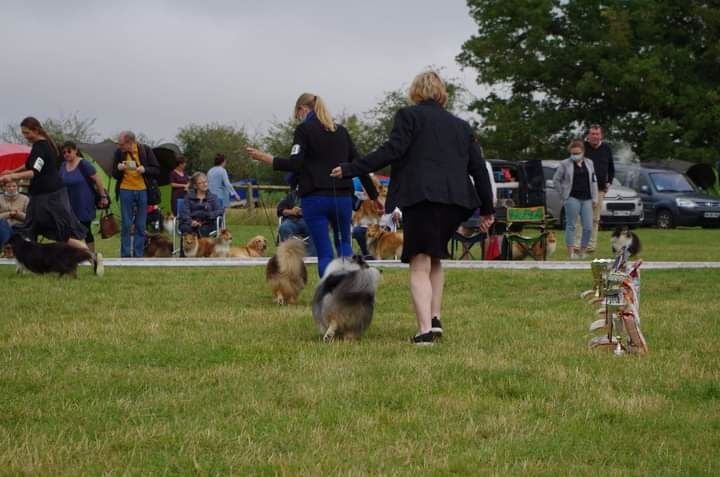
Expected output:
(178, 183)
(81, 180)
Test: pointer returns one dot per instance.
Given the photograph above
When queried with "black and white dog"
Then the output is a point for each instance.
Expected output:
(623, 237)
(345, 298)
(57, 257)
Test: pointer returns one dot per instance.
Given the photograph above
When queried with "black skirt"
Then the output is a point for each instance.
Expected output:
(51, 216)
(428, 228)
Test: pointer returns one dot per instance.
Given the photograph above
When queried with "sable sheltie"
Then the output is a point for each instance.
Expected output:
(384, 244)
(222, 244)
(538, 250)
(169, 222)
(194, 246)
(157, 245)
(345, 298)
(286, 272)
(57, 257)
(623, 237)
(256, 247)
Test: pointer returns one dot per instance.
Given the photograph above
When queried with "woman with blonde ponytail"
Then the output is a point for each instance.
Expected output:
(319, 145)
(49, 212)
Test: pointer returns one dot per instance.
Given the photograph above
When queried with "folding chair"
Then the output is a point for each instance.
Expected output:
(466, 242)
(177, 235)
(531, 219)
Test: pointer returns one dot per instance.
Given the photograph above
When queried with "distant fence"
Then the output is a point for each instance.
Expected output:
(250, 188)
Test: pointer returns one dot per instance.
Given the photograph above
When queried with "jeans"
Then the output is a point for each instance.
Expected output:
(320, 211)
(297, 228)
(573, 208)
(359, 233)
(133, 209)
(5, 232)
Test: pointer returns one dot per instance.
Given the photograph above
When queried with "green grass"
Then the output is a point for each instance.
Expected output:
(682, 244)
(195, 371)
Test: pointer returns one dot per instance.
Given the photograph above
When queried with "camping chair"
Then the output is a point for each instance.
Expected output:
(529, 244)
(466, 242)
(176, 234)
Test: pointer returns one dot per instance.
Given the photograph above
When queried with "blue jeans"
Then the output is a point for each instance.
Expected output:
(573, 208)
(359, 233)
(133, 209)
(297, 228)
(320, 211)
(5, 232)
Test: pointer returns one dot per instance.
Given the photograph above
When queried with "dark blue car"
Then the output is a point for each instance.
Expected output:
(669, 198)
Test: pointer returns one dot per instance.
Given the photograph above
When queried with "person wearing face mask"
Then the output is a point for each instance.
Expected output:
(576, 182)
(12, 210)
(319, 145)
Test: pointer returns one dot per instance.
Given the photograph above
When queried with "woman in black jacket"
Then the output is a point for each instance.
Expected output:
(319, 145)
(432, 158)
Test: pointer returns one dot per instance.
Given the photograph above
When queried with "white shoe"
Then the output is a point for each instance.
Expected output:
(99, 265)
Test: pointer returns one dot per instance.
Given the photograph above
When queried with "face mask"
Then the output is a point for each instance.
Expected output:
(576, 157)
(11, 194)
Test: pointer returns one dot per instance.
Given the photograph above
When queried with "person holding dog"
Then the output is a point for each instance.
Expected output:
(48, 212)
(319, 145)
(133, 164)
(432, 157)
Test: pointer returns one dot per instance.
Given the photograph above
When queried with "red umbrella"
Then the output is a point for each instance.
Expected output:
(13, 156)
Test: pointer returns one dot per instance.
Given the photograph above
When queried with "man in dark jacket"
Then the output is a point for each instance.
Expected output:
(601, 155)
(134, 165)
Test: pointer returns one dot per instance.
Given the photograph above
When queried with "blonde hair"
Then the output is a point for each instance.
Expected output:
(428, 85)
(317, 105)
(576, 143)
(195, 178)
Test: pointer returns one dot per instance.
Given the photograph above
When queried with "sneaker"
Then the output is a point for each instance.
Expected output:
(436, 327)
(424, 339)
(99, 265)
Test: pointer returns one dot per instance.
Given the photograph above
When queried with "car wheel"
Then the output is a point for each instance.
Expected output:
(664, 219)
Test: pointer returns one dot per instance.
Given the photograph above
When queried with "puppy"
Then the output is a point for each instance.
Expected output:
(168, 222)
(57, 257)
(222, 244)
(345, 298)
(157, 245)
(624, 238)
(194, 246)
(256, 247)
(286, 272)
(384, 244)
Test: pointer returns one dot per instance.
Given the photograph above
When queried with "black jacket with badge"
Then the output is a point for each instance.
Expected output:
(317, 151)
(433, 155)
(147, 159)
(43, 161)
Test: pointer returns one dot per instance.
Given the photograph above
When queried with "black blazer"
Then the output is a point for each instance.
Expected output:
(433, 155)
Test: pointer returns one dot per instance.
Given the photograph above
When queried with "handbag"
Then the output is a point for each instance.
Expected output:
(153, 191)
(108, 225)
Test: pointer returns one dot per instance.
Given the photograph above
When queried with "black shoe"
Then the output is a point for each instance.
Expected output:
(425, 339)
(369, 257)
(436, 327)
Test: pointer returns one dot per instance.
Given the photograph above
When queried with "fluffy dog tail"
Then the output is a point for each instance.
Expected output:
(290, 254)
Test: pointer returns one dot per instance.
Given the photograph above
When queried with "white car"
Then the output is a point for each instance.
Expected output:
(622, 205)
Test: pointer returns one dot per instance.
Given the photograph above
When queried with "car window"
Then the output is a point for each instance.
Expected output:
(671, 182)
(548, 173)
(640, 181)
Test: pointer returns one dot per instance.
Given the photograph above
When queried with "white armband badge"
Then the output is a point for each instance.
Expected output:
(295, 149)
(39, 163)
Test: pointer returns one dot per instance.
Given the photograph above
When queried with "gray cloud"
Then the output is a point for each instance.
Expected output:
(155, 66)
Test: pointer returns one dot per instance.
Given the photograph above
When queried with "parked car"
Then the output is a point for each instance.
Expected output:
(670, 198)
(622, 205)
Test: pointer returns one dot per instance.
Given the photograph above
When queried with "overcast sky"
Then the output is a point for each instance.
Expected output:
(153, 66)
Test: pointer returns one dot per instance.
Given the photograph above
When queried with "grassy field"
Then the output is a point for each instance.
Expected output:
(195, 371)
(691, 244)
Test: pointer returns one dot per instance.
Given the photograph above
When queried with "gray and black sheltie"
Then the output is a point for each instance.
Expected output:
(345, 298)
(623, 237)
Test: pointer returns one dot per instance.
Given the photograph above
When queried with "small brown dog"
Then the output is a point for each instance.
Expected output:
(384, 244)
(256, 247)
(194, 246)
(366, 213)
(157, 245)
(286, 272)
(538, 250)
(222, 244)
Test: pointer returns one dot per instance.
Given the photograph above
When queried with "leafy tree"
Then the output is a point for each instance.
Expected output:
(67, 128)
(647, 70)
(202, 142)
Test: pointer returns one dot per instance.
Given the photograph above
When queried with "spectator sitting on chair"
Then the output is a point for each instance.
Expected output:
(200, 209)
(13, 205)
(219, 182)
(292, 223)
